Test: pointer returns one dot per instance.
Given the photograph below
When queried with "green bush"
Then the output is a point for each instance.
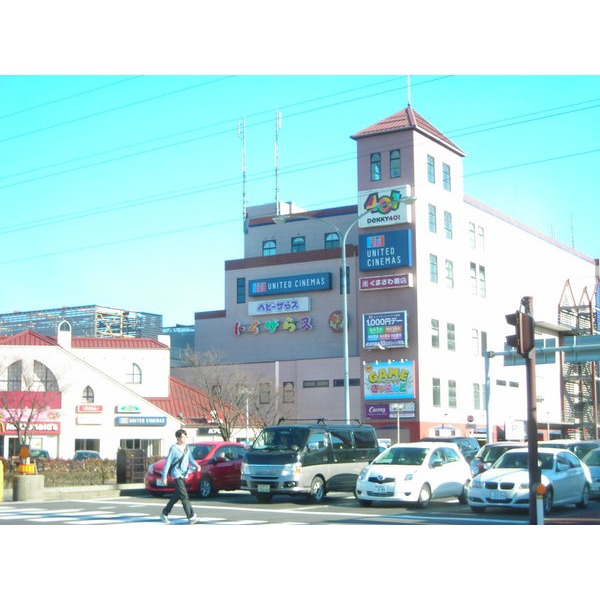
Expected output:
(59, 472)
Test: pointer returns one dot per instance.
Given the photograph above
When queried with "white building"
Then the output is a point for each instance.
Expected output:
(431, 275)
(94, 393)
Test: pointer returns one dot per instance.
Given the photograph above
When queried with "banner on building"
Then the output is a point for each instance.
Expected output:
(393, 380)
(385, 330)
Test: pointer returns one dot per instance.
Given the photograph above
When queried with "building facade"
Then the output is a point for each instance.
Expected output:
(431, 274)
(92, 393)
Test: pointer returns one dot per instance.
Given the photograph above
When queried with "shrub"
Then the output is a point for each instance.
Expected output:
(59, 472)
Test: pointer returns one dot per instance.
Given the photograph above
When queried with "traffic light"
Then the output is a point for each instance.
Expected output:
(523, 340)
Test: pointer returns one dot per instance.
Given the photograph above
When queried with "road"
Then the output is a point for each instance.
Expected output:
(239, 508)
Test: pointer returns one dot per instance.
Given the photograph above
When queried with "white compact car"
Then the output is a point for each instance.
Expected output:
(506, 483)
(414, 472)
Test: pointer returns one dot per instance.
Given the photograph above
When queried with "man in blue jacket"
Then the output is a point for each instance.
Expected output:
(177, 465)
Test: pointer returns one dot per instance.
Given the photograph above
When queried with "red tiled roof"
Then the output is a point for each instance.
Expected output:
(27, 337)
(184, 400)
(116, 342)
(407, 119)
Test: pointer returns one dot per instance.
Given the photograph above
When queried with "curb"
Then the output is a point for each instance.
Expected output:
(86, 491)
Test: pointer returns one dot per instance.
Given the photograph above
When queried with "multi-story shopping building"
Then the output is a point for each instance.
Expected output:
(431, 274)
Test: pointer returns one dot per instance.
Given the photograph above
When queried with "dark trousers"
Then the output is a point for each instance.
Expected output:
(180, 493)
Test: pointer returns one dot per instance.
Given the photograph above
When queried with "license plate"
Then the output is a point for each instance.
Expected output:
(495, 495)
(263, 488)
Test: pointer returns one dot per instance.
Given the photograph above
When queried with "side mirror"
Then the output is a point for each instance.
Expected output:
(436, 462)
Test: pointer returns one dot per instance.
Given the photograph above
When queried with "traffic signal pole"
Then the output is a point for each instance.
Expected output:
(523, 341)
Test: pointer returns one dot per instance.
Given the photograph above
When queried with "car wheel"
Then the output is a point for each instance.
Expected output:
(585, 497)
(205, 488)
(478, 509)
(424, 496)
(548, 501)
(264, 497)
(317, 490)
(464, 494)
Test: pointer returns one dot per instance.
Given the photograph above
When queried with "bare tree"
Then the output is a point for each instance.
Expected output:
(27, 393)
(236, 399)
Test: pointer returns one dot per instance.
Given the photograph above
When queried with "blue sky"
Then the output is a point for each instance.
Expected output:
(126, 190)
(120, 159)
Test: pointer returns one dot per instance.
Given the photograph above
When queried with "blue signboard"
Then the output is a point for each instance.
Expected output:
(385, 250)
(312, 282)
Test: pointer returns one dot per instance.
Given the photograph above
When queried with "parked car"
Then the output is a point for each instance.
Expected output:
(414, 472)
(86, 454)
(490, 453)
(38, 453)
(468, 446)
(578, 447)
(220, 464)
(506, 483)
(592, 460)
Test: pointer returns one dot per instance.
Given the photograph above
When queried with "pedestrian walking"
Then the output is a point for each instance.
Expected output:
(179, 461)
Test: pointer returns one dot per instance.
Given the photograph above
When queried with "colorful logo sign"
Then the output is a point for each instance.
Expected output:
(393, 380)
(386, 207)
(312, 282)
(388, 250)
(385, 330)
(386, 410)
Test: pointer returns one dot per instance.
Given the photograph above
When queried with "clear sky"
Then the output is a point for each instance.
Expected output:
(122, 187)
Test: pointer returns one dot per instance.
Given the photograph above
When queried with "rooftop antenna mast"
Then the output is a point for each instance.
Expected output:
(408, 88)
(277, 128)
(242, 135)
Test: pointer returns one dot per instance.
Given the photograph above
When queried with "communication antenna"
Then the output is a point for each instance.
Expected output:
(408, 88)
(242, 135)
(572, 233)
(277, 128)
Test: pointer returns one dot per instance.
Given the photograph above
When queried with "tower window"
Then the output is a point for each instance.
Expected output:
(375, 166)
(395, 170)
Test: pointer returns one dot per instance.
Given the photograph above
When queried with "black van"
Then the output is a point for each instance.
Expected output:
(307, 459)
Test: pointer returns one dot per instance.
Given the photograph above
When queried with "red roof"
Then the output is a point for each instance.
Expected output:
(116, 342)
(404, 120)
(184, 400)
(29, 337)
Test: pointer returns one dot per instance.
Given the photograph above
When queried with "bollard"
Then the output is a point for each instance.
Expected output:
(540, 490)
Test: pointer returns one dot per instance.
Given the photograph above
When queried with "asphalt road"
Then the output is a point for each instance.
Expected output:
(239, 508)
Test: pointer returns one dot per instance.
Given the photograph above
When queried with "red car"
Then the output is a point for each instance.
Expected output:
(220, 464)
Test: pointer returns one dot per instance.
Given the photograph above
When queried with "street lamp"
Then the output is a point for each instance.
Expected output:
(344, 235)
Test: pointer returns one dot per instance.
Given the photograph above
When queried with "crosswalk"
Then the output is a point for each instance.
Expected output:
(105, 516)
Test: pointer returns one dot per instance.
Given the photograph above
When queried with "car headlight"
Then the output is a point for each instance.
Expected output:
(291, 469)
(363, 474)
(476, 483)
(245, 468)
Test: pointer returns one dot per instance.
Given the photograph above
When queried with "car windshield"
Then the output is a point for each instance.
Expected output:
(580, 450)
(402, 456)
(492, 453)
(592, 459)
(518, 460)
(512, 460)
(280, 438)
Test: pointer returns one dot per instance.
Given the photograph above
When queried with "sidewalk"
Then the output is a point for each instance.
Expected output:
(86, 491)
